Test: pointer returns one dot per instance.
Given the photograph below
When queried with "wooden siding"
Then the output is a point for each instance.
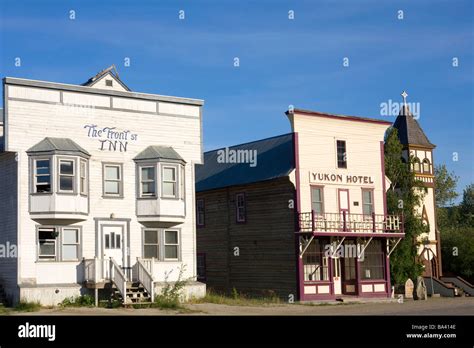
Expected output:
(35, 113)
(266, 241)
(8, 220)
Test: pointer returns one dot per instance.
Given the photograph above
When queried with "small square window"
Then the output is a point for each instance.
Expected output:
(109, 83)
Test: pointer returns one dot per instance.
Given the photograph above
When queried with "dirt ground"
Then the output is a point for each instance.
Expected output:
(433, 306)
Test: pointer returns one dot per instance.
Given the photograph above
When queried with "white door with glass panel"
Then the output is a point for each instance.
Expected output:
(112, 245)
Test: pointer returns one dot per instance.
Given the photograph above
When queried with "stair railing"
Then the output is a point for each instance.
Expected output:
(145, 277)
(118, 278)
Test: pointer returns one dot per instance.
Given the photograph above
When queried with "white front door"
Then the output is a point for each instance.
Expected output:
(337, 276)
(112, 245)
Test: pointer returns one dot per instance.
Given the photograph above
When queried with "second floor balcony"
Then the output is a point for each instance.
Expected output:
(348, 224)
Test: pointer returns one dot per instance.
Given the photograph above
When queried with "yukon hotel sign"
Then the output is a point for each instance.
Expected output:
(341, 178)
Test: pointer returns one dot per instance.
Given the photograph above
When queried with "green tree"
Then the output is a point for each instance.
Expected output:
(445, 188)
(403, 198)
(467, 205)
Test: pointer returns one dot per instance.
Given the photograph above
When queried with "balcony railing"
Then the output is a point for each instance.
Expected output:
(349, 223)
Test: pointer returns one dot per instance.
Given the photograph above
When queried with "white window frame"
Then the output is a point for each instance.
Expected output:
(177, 244)
(77, 244)
(83, 179)
(147, 181)
(175, 182)
(73, 175)
(119, 180)
(36, 175)
(371, 191)
(47, 258)
(182, 182)
(158, 241)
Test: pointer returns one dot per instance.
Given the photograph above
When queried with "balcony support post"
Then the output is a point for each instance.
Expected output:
(312, 221)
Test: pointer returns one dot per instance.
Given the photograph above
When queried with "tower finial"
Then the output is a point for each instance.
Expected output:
(404, 95)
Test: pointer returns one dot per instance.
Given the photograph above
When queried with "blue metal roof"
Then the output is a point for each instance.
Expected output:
(274, 159)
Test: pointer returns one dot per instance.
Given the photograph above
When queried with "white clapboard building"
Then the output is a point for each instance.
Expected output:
(96, 190)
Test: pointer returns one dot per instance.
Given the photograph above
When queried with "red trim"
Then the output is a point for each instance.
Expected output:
(382, 165)
(340, 117)
(339, 200)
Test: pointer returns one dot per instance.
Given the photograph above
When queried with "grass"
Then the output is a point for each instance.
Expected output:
(24, 306)
(78, 301)
(237, 299)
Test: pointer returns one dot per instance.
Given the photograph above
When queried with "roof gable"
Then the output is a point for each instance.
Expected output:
(409, 130)
(275, 158)
(106, 77)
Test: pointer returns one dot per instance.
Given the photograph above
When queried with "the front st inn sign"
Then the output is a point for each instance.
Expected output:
(109, 138)
(340, 178)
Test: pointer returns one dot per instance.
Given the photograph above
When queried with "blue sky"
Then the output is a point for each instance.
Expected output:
(282, 61)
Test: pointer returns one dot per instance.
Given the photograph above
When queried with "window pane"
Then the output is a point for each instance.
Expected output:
(112, 173)
(107, 241)
(66, 183)
(317, 195)
(46, 234)
(148, 188)
(150, 251)
(148, 173)
(367, 209)
(42, 179)
(367, 197)
(171, 237)
(171, 252)
(151, 237)
(42, 164)
(112, 187)
(317, 207)
(168, 189)
(169, 174)
(70, 236)
(117, 241)
(47, 248)
(42, 171)
(67, 167)
(43, 188)
(69, 252)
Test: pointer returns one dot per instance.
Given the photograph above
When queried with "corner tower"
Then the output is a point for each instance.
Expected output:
(417, 145)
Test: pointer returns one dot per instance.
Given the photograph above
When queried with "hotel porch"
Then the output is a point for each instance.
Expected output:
(343, 254)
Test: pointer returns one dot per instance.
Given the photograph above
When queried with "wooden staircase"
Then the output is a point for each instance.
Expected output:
(135, 294)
